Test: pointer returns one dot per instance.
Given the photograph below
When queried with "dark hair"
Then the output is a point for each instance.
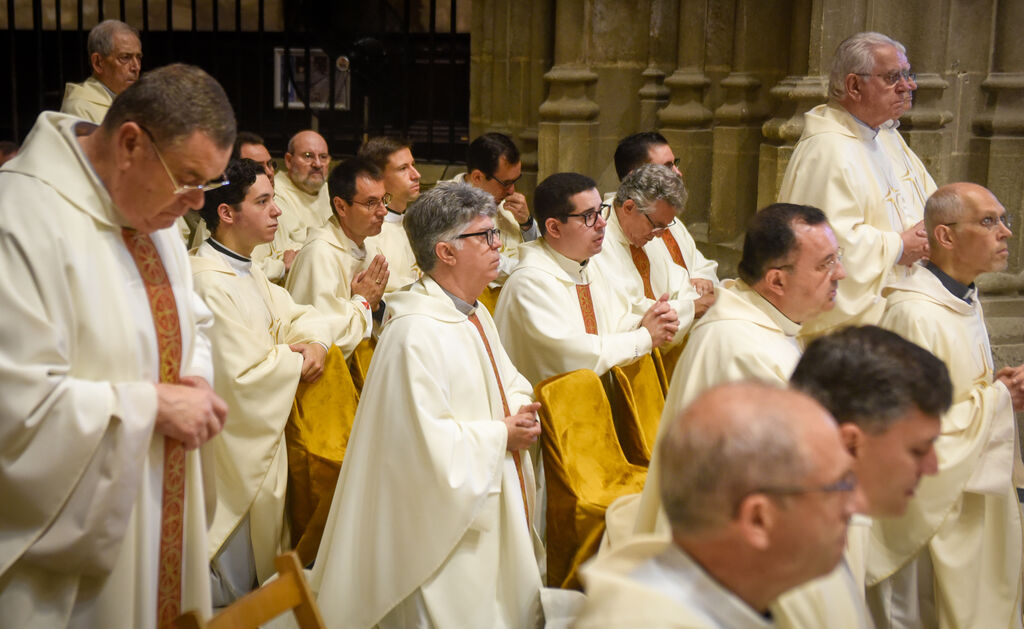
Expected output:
(872, 377)
(242, 174)
(551, 198)
(243, 138)
(632, 151)
(380, 148)
(172, 103)
(6, 146)
(485, 152)
(770, 237)
(342, 181)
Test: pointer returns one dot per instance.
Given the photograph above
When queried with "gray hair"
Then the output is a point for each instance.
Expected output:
(856, 55)
(101, 37)
(649, 183)
(440, 214)
(172, 103)
(733, 440)
(944, 206)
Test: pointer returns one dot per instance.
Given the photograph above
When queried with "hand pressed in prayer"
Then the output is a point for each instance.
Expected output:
(189, 411)
(706, 290)
(523, 427)
(371, 282)
(288, 257)
(313, 356)
(661, 321)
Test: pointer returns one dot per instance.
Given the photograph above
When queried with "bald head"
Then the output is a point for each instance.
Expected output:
(307, 161)
(732, 440)
(968, 229)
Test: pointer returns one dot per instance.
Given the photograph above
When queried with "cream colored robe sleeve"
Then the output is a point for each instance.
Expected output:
(318, 278)
(88, 100)
(698, 266)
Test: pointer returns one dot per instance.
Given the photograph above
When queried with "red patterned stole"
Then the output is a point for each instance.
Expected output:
(587, 308)
(504, 405)
(643, 267)
(673, 248)
(168, 335)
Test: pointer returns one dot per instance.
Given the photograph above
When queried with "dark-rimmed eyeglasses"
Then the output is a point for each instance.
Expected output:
(490, 235)
(892, 78)
(589, 217)
(656, 228)
(506, 184)
(213, 184)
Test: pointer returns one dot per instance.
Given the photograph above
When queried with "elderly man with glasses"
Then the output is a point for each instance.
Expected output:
(853, 164)
(430, 522)
(954, 560)
(301, 194)
(115, 56)
(564, 307)
(104, 364)
(338, 272)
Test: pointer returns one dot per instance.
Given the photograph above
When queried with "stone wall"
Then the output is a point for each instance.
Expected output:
(728, 81)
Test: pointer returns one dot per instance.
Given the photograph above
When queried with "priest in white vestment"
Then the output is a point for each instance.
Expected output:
(337, 272)
(889, 419)
(758, 492)
(853, 164)
(300, 190)
(430, 521)
(564, 306)
(263, 345)
(493, 165)
(788, 273)
(964, 523)
(402, 182)
(104, 369)
(115, 56)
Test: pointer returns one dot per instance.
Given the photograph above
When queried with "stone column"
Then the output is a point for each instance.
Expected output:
(664, 28)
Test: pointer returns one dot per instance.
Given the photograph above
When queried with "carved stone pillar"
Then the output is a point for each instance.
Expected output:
(664, 28)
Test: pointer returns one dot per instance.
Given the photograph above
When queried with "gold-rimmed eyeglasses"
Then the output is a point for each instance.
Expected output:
(213, 184)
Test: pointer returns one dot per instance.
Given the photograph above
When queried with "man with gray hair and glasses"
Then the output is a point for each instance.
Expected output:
(853, 164)
(104, 368)
(115, 56)
(430, 523)
(954, 560)
(758, 490)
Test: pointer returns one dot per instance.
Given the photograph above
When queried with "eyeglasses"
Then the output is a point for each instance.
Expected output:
(657, 229)
(506, 184)
(375, 204)
(674, 162)
(268, 165)
(892, 78)
(989, 222)
(213, 184)
(589, 217)
(490, 235)
(312, 157)
(826, 266)
(846, 483)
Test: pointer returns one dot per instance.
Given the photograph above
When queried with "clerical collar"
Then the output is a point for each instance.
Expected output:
(393, 216)
(955, 287)
(460, 304)
(867, 131)
(109, 91)
(241, 264)
(576, 270)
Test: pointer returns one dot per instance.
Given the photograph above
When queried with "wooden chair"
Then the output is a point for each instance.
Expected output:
(584, 467)
(359, 361)
(638, 402)
(289, 591)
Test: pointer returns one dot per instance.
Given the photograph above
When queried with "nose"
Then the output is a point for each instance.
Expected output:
(274, 210)
(415, 174)
(839, 272)
(1005, 230)
(930, 463)
(496, 241)
(194, 199)
(676, 170)
(600, 221)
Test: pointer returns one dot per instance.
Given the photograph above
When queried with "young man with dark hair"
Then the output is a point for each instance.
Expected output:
(264, 344)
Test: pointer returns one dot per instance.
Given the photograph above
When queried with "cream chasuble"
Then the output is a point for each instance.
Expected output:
(256, 374)
(835, 600)
(967, 517)
(663, 275)
(871, 187)
(88, 100)
(650, 583)
(429, 506)
(321, 276)
(300, 212)
(542, 325)
(393, 242)
(272, 268)
(696, 265)
(80, 537)
(742, 336)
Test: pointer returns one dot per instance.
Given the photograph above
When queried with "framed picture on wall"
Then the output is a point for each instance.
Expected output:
(290, 72)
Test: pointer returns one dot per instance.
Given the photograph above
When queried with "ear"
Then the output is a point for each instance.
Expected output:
(287, 161)
(553, 228)
(445, 252)
(852, 84)
(629, 206)
(340, 208)
(226, 214)
(95, 61)
(756, 519)
(775, 281)
(852, 436)
(943, 236)
(476, 177)
(128, 144)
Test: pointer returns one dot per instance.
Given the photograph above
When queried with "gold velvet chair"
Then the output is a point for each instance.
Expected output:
(659, 365)
(669, 359)
(639, 401)
(316, 436)
(359, 361)
(489, 298)
(288, 592)
(584, 467)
